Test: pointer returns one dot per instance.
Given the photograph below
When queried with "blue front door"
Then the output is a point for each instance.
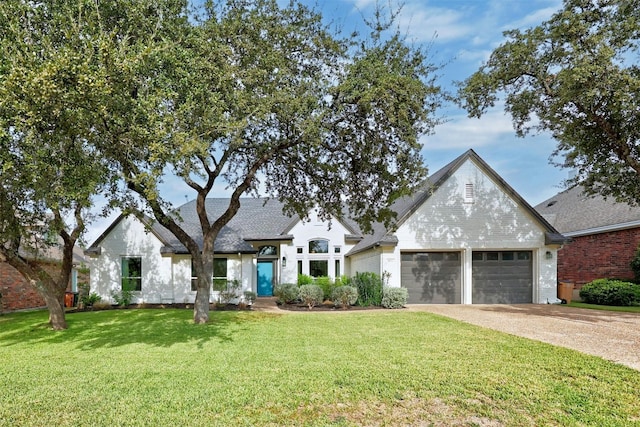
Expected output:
(265, 278)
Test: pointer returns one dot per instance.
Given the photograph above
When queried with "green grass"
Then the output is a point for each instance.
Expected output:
(154, 367)
(627, 309)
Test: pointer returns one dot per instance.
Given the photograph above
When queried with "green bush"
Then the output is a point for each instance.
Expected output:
(286, 293)
(123, 297)
(635, 264)
(304, 279)
(249, 297)
(91, 299)
(610, 292)
(311, 295)
(369, 287)
(344, 296)
(394, 297)
(326, 284)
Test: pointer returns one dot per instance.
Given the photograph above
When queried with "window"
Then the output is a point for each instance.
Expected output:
(508, 256)
(267, 250)
(219, 273)
(318, 268)
(131, 274)
(299, 267)
(299, 250)
(319, 247)
(194, 277)
(336, 249)
(524, 256)
(337, 268)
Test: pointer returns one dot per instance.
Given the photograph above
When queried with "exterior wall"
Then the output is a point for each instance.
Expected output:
(493, 220)
(368, 261)
(165, 279)
(19, 294)
(129, 238)
(598, 256)
(315, 229)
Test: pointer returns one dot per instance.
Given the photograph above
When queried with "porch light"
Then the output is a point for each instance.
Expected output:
(284, 262)
(548, 255)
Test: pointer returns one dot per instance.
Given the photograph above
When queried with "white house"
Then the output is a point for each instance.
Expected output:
(466, 237)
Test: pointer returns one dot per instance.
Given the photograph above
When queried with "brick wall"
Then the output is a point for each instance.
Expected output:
(17, 293)
(604, 255)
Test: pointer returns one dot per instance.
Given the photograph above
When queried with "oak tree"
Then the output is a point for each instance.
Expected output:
(575, 76)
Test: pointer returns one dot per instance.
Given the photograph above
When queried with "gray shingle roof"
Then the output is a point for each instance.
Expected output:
(573, 212)
(257, 219)
(263, 219)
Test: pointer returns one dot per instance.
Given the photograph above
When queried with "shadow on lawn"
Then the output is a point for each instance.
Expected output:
(115, 328)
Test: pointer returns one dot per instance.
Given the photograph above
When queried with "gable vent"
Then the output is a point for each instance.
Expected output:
(468, 193)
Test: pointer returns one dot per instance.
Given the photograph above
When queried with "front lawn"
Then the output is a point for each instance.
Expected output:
(154, 367)
(623, 309)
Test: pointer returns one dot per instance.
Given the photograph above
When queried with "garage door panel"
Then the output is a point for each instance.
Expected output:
(502, 277)
(431, 277)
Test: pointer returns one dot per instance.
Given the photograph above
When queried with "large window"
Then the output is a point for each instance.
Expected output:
(219, 274)
(131, 274)
(319, 247)
(318, 268)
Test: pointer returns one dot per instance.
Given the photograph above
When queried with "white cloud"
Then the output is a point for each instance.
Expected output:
(462, 132)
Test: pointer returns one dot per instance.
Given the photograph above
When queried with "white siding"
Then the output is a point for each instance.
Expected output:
(451, 220)
(165, 279)
(368, 261)
(129, 238)
(314, 229)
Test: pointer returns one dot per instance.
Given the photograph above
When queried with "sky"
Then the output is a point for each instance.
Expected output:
(461, 34)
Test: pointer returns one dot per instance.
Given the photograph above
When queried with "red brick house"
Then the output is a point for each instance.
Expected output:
(605, 235)
(18, 294)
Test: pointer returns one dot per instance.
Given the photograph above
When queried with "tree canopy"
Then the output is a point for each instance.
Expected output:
(48, 169)
(575, 76)
(253, 95)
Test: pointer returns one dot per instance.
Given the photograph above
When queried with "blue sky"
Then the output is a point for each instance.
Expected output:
(462, 34)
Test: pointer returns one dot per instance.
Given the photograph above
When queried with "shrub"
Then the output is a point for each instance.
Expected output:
(249, 297)
(635, 264)
(122, 298)
(369, 286)
(344, 296)
(326, 284)
(91, 299)
(229, 292)
(304, 279)
(394, 297)
(311, 295)
(286, 293)
(610, 292)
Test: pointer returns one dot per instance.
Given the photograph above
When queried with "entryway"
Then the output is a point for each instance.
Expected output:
(265, 278)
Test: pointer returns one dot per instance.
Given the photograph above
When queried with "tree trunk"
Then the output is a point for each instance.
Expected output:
(55, 305)
(201, 306)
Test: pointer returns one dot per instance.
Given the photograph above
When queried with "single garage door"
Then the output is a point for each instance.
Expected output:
(431, 277)
(502, 277)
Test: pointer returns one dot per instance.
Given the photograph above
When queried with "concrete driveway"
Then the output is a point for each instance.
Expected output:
(611, 335)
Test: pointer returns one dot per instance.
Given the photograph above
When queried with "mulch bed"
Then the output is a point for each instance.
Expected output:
(324, 307)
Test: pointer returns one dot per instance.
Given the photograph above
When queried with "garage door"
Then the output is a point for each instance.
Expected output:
(432, 277)
(504, 277)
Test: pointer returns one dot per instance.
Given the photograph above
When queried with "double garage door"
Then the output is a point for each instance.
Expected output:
(498, 277)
